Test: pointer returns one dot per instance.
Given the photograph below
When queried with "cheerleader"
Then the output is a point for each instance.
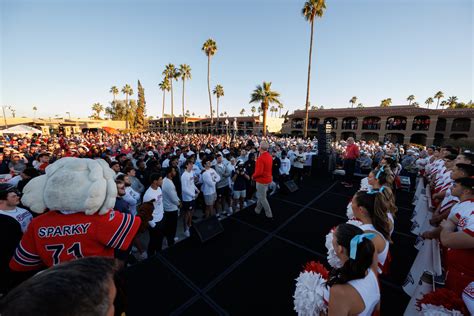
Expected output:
(382, 179)
(354, 288)
(371, 209)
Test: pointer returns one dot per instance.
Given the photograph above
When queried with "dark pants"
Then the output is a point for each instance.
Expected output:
(349, 167)
(156, 238)
(298, 174)
(170, 220)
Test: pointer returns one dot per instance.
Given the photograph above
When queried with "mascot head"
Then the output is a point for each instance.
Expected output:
(72, 184)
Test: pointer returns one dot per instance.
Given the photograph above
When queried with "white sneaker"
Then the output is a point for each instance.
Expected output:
(187, 233)
(245, 204)
(230, 211)
(176, 238)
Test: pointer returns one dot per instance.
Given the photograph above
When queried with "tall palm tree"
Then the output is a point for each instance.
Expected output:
(242, 112)
(184, 74)
(410, 99)
(114, 90)
(171, 73)
(443, 104)
(210, 48)
(353, 101)
(164, 86)
(386, 102)
(311, 10)
(452, 101)
(280, 107)
(429, 101)
(128, 91)
(34, 112)
(97, 108)
(439, 95)
(218, 92)
(265, 96)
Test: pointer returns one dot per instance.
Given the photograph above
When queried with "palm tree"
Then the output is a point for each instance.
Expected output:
(34, 112)
(218, 92)
(386, 102)
(311, 10)
(210, 48)
(452, 101)
(314, 108)
(353, 101)
(171, 73)
(225, 113)
(410, 99)
(97, 108)
(280, 107)
(265, 96)
(360, 105)
(193, 114)
(429, 101)
(443, 104)
(253, 109)
(187, 113)
(184, 74)
(164, 86)
(114, 90)
(128, 91)
(242, 112)
(415, 104)
(438, 96)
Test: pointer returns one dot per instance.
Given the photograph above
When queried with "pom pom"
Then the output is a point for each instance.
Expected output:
(332, 258)
(442, 300)
(309, 294)
(364, 185)
(349, 213)
(316, 267)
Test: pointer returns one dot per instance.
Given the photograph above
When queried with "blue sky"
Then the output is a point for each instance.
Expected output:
(65, 55)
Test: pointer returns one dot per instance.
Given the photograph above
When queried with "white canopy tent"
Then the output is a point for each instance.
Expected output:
(21, 129)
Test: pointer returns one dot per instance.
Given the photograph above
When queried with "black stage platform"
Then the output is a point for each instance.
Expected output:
(250, 269)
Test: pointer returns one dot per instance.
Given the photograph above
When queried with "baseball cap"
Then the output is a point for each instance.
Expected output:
(225, 152)
(150, 153)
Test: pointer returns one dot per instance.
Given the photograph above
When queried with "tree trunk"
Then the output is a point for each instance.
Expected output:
(163, 111)
(217, 113)
(264, 110)
(437, 104)
(209, 86)
(172, 105)
(126, 112)
(305, 133)
(184, 116)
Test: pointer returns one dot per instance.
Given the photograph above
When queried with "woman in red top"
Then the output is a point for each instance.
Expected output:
(263, 177)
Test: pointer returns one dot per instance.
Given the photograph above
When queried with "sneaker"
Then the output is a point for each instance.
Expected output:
(245, 204)
(187, 233)
(230, 211)
(176, 238)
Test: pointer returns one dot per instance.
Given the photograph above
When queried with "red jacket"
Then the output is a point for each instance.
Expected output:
(352, 152)
(263, 169)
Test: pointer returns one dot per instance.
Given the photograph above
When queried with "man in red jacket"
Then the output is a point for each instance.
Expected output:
(352, 153)
(263, 177)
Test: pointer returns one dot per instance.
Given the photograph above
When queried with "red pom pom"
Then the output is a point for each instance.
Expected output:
(444, 297)
(316, 267)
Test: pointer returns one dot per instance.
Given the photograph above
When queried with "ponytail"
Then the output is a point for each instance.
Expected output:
(356, 267)
(375, 204)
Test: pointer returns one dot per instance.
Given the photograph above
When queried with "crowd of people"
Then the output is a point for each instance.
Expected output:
(163, 181)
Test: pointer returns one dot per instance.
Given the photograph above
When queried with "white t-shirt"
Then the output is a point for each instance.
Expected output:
(209, 180)
(156, 195)
(22, 216)
(300, 159)
(188, 187)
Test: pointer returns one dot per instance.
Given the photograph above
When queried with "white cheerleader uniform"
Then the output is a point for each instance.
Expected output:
(369, 291)
(381, 257)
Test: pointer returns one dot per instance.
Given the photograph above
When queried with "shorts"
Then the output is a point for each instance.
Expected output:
(240, 194)
(188, 206)
(210, 199)
(223, 192)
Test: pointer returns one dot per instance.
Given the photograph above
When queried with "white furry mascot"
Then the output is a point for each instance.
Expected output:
(75, 198)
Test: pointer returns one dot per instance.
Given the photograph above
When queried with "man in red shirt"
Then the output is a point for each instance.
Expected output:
(352, 153)
(263, 177)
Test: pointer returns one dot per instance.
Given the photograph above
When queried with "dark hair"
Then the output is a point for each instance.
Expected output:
(155, 177)
(467, 183)
(452, 151)
(353, 268)
(169, 170)
(376, 206)
(113, 163)
(451, 157)
(468, 156)
(467, 169)
(120, 177)
(31, 172)
(188, 162)
(127, 169)
(79, 287)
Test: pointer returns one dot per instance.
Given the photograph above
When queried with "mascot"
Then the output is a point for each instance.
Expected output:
(75, 198)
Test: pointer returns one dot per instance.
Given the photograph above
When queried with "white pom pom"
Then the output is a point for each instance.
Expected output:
(434, 310)
(309, 294)
(333, 259)
(364, 185)
(355, 222)
(349, 213)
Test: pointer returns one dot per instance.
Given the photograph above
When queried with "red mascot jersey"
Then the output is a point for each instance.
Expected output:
(54, 238)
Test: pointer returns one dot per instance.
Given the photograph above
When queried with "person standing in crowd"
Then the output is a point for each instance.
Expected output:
(365, 163)
(9, 201)
(4, 164)
(189, 195)
(171, 204)
(135, 183)
(222, 186)
(351, 155)
(285, 168)
(298, 164)
(250, 169)
(156, 227)
(209, 180)
(275, 171)
(263, 177)
(131, 196)
(240, 178)
(120, 204)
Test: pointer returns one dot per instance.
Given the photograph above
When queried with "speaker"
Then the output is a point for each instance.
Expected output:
(290, 186)
(208, 228)
(324, 139)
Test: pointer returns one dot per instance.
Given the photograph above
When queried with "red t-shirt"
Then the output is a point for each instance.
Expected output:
(263, 169)
(352, 151)
(54, 238)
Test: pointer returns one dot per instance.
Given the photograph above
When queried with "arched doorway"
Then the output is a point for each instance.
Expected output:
(441, 124)
(396, 123)
(331, 121)
(418, 138)
(349, 123)
(438, 139)
(371, 123)
(421, 123)
(396, 138)
(346, 135)
(313, 123)
(297, 123)
(461, 125)
(370, 136)
(457, 136)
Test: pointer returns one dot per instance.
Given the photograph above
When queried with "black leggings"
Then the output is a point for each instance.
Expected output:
(349, 167)
(156, 238)
(170, 220)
